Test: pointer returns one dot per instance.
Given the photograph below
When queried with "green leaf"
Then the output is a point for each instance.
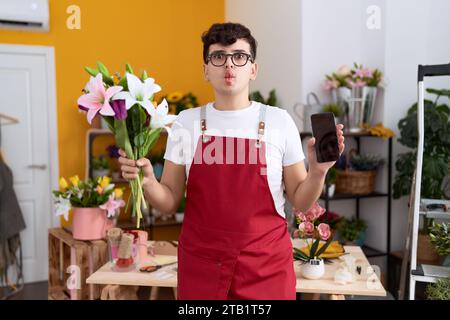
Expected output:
(144, 75)
(102, 68)
(110, 122)
(91, 71)
(105, 73)
(312, 251)
(123, 83)
(325, 246)
(128, 68)
(121, 135)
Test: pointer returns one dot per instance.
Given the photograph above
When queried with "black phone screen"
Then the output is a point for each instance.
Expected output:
(324, 130)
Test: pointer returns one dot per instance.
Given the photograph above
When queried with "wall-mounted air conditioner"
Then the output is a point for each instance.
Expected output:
(30, 15)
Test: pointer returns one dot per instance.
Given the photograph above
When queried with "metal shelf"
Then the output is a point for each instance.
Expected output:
(368, 251)
(371, 252)
(439, 272)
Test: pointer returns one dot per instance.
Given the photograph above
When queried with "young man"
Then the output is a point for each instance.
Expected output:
(236, 158)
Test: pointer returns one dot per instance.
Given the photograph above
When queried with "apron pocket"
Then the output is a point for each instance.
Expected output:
(198, 277)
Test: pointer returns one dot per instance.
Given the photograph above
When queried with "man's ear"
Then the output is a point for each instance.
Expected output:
(254, 71)
(205, 72)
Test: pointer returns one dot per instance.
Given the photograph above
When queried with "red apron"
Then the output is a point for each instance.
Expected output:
(233, 243)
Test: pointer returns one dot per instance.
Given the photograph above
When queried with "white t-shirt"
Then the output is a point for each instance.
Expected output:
(281, 136)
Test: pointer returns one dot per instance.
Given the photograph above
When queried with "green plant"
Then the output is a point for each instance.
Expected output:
(436, 153)
(312, 232)
(436, 148)
(366, 162)
(331, 176)
(349, 229)
(439, 290)
(334, 108)
(100, 163)
(87, 194)
(440, 237)
(272, 100)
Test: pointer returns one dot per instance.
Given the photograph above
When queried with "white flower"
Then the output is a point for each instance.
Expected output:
(138, 92)
(160, 117)
(62, 207)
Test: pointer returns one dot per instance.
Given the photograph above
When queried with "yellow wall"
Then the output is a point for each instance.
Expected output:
(161, 36)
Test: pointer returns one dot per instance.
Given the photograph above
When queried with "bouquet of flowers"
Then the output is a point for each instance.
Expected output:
(128, 107)
(314, 233)
(87, 194)
(355, 77)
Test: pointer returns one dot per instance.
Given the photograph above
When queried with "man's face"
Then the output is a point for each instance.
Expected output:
(230, 79)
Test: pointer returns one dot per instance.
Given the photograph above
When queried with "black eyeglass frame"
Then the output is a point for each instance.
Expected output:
(249, 57)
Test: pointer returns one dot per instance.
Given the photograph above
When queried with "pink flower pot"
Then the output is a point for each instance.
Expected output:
(90, 223)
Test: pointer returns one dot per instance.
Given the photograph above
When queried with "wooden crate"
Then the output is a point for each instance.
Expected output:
(64, 251)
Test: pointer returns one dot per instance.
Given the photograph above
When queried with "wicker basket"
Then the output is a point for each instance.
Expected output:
(355, 182)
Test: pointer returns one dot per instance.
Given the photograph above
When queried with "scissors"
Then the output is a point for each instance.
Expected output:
(150, 268)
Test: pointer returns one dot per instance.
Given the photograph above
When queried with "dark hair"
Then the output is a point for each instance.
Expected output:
(227, 34)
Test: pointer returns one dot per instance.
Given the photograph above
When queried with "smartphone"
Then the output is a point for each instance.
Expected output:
(324, 130)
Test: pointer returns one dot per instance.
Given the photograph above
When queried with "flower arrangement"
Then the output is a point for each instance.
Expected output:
(128, 107)
(179, 101)
(312, 231)
(332, 218)
(87, 194)
(355, 77)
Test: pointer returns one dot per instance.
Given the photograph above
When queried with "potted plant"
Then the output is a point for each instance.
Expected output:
(436, 153)
(317, 236)
(352, 231)
(331, 218)
(100, 167)
(92, 201)
(271, 100)
(359, 174)
(355, 90)
(330, 182)
(440, 238)
(439, 290)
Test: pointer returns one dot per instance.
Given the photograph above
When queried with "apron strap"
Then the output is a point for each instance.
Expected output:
(261, 124)
(203, 123)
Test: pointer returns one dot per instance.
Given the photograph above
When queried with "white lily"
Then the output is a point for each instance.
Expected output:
(138, 92)
(62, 207)
(160, 117)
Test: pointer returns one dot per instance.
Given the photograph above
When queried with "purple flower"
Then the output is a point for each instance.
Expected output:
(120, 111)
(113, 151)
(81, 108)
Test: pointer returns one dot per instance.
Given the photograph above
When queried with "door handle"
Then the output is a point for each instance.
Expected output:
(37, 166)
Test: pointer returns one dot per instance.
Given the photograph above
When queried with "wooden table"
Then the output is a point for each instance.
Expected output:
(367, 284)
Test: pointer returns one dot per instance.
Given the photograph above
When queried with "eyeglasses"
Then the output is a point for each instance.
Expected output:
(239, 59)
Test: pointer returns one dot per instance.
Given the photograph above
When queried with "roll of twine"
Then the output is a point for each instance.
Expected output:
(125, 246)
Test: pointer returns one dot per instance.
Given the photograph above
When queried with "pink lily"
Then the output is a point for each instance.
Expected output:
(97, 98)
(112, 205)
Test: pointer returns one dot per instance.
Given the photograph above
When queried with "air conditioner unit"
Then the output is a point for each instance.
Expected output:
(32, 15)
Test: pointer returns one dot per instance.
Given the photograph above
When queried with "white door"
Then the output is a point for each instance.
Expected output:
(29, 146)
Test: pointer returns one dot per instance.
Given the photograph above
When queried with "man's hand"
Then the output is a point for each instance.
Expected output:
(322, 167)
(130, 168)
